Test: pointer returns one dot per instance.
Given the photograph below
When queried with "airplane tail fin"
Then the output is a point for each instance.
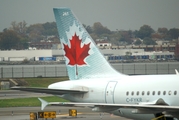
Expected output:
(83, 58)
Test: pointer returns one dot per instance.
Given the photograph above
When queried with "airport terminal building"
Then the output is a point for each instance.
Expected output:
(112, 55)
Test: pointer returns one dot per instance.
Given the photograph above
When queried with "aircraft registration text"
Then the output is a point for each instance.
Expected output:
(134, 100)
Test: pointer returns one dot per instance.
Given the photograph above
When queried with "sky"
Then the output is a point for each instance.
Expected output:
(113, 14)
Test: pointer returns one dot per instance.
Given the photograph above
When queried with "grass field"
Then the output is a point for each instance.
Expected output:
(43, 82)
(28, 102)
(34, 82)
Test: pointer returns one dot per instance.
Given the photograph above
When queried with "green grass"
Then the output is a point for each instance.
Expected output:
(33, 101)
(28, 102)
(43, 82)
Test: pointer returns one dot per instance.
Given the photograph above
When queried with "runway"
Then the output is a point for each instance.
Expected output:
(22, 113)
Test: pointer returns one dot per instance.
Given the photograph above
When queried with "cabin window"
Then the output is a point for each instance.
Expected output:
(132, 93)
(158, 92)
(175, 92)
(143, 92)
(137, 92)
(153, 93)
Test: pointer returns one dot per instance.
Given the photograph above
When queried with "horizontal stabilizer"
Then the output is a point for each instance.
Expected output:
(51, 91)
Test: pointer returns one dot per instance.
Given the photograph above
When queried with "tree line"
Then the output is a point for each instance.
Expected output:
(19, 35)
(145, 35)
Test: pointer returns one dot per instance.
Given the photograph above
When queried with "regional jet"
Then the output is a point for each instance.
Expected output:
(94, 83)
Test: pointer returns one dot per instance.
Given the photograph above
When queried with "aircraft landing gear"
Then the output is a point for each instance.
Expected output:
(161, 116)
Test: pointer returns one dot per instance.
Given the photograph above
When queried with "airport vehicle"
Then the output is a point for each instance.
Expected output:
(94, 83)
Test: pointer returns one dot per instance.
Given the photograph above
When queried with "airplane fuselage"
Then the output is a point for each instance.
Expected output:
(125, 90)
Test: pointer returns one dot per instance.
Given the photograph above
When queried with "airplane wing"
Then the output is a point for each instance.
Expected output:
(51, 91)
(105, 107)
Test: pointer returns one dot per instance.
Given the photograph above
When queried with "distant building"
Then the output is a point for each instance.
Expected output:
(103, 44)
(43, 45)
(147, 48)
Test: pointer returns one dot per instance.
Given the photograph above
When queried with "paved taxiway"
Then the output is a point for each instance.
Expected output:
(22, 113)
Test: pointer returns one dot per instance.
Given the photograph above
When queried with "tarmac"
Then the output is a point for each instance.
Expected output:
(62, 113)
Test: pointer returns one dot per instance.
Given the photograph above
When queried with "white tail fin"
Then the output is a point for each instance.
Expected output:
(83, 58)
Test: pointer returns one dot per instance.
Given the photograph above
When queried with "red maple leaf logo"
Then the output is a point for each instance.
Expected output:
(76, 54)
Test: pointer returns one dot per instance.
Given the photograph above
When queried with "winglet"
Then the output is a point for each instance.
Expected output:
(43, 103)
(176, 71)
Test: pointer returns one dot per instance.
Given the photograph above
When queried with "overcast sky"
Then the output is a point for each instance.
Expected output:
(114, 14)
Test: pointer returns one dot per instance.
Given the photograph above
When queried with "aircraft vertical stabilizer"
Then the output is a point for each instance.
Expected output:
(83, 58)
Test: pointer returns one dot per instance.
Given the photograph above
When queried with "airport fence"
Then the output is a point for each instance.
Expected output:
(59, 71)
(32, 71)
(147, 68)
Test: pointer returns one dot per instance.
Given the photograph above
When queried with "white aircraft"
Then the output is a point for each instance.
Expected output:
(94, 83)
